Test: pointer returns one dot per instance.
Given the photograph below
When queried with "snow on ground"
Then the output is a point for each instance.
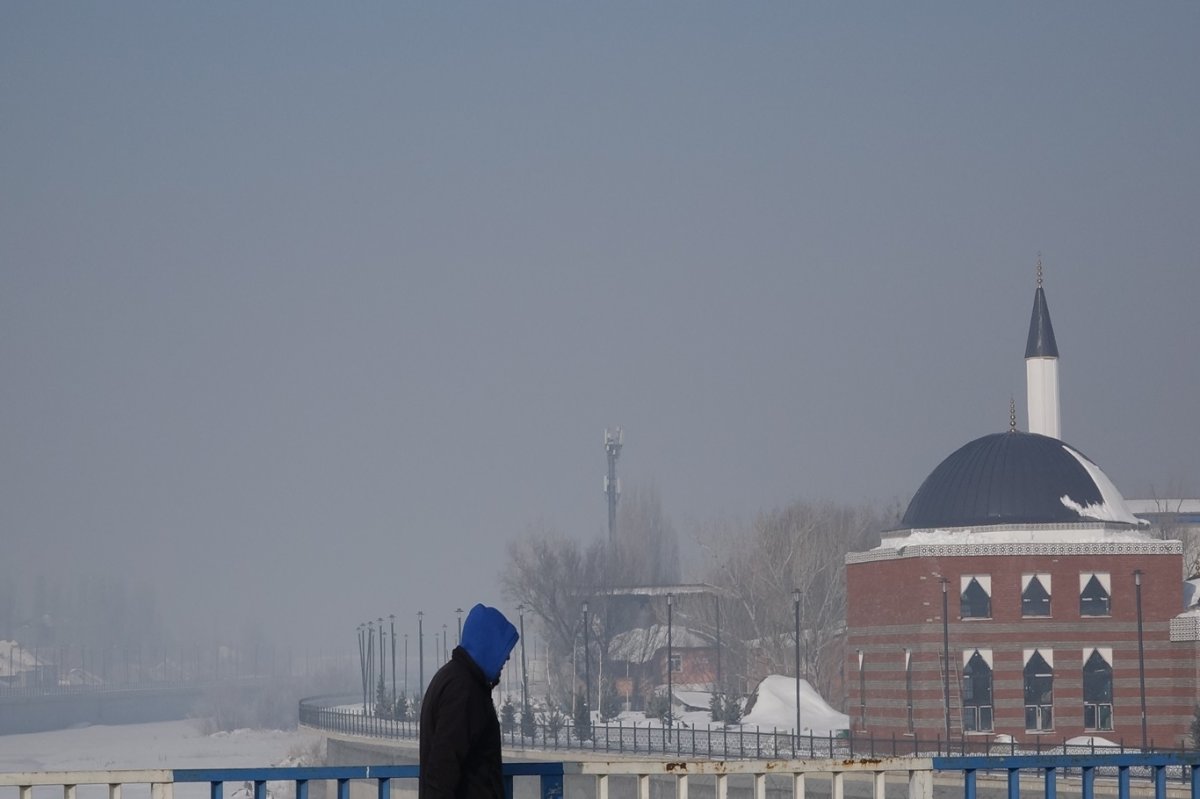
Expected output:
(159, 745)
(773, 708)
(164, 744)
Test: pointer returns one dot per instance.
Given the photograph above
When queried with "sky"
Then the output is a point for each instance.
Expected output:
(306, 311)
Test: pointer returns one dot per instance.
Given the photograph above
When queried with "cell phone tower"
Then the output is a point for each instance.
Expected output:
(613, 439)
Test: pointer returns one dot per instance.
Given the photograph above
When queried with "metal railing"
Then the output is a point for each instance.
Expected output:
(611, 780)
(340, 714)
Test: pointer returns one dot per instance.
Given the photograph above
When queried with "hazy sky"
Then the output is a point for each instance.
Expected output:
(306, 310)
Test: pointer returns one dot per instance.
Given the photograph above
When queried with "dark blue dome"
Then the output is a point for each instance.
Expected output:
(1007, 478)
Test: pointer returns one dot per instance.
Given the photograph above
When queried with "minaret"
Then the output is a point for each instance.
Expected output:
(1041, 368)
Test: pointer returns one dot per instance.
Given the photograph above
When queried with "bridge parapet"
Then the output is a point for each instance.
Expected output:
(600, 780)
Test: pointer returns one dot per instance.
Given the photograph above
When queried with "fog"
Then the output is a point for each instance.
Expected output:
(306, 312)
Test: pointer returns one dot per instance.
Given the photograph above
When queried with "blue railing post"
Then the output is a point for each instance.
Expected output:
(1014, 783)
(969, 783)
(1052, 781)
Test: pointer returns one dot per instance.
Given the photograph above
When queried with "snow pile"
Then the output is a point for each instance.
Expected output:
(1090, 740)
(772, 705)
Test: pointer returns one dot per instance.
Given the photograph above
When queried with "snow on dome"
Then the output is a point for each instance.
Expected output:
(1015, 478)
(1111, 508)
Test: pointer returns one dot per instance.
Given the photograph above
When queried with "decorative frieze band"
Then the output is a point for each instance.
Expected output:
(1024, 548)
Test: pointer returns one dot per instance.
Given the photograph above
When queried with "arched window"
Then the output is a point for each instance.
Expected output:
(1097, 689)
(975, 601)
(1039, 690)
(977, 690)
(1035, 595)
(1094, 594)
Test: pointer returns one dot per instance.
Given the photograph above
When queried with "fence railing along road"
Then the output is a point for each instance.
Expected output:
(341, 714)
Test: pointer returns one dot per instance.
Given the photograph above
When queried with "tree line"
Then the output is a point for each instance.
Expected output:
(741, 582)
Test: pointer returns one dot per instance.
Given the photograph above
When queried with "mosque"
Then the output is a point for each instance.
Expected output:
(1021, 597)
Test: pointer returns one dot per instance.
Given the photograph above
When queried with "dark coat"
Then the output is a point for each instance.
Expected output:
(460, 734)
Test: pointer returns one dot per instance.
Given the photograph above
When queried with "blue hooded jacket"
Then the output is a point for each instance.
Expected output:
(489, 639)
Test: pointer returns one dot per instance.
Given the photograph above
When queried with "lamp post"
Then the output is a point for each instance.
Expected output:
(420, 653)
(445, 652)
(406, 665)
(796, 612)
(369, 627)
(719, 686)
(1137, 584)
(524, 676)
(382, 651)
(670, 675)
(587, 663)
(392, 619)
(459, 611)
(946, 656)
(362, 663)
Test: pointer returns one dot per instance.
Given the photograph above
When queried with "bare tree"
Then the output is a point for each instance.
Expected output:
(647, 548)
(757, 567)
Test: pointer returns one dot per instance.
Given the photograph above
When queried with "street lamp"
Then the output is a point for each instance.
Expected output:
(587, 662)
(392, 619)
(445, 654)
(796, 611)
(406, 665)
(720, 686)
(420, 653)
(459, 611)
(945, 657)
(670, 675)
(1137, 584)
(382, 652)
(362, 663)
(524, 676)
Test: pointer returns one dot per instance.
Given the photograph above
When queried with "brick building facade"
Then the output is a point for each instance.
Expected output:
(897, 640)
(1020, 596)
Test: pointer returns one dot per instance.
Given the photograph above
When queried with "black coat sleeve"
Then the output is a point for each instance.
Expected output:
(450, 742)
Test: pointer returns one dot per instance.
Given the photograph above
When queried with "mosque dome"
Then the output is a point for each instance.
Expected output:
(1015, 478)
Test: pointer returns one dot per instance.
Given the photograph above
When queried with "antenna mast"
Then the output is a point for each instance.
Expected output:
(613, 440)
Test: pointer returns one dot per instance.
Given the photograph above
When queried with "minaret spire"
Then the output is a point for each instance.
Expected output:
(1041, 367)
(1012, 414)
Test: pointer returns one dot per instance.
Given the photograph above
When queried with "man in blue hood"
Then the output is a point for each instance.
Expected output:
(460, 734)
